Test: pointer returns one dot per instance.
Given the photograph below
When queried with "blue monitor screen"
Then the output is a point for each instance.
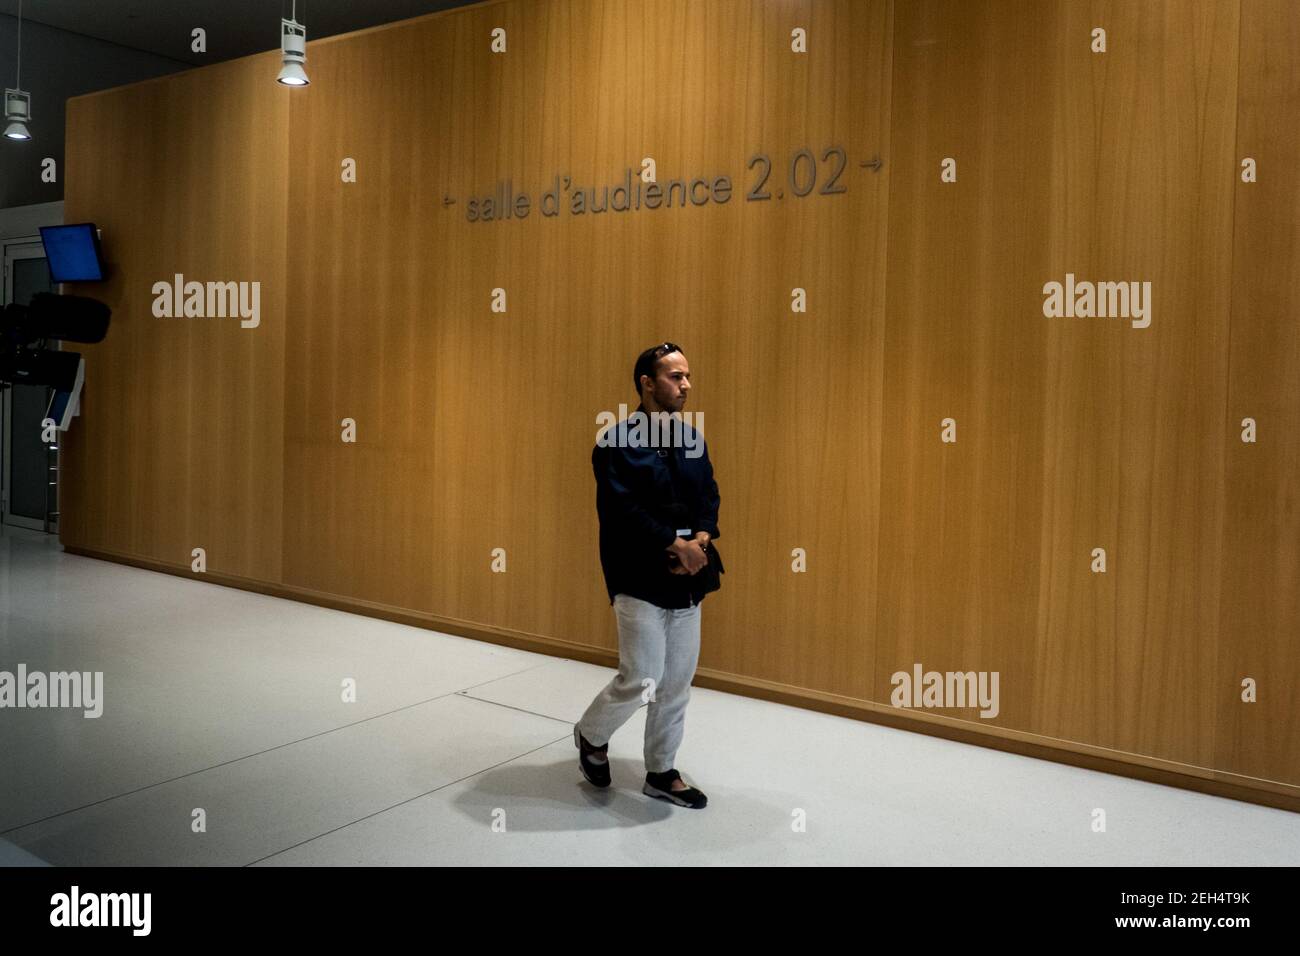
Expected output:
(72, 252)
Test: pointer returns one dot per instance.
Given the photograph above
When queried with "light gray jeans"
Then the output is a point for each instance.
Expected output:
(657, 652)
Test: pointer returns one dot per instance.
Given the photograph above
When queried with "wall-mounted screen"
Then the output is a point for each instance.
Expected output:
(73, 252)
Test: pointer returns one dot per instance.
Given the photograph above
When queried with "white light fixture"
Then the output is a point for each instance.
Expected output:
(293, 47)
(18, 103)
(18, 110)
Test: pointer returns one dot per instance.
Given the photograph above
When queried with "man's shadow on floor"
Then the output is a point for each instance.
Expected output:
(556, 796)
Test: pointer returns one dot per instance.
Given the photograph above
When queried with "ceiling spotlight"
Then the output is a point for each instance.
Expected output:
(18, 103)
(18, 111)
(293, 45)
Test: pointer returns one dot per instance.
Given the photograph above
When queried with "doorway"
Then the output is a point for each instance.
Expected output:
(29, 466)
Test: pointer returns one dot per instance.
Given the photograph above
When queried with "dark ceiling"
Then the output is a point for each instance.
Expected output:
(234, 27)
(74, 47)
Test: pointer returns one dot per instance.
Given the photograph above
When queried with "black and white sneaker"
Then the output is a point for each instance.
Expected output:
(594, 761)
(661, 785)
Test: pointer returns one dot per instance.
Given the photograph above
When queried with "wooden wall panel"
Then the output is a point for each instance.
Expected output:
(959, 564)
(1073, 433)
(359, 518)
(1260, 608)
(180, 440)
(1154, 130)
(474, 428)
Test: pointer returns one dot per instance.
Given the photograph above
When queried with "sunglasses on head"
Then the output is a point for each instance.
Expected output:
(665, 349)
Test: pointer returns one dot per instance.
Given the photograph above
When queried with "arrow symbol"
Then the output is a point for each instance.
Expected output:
(875, 163)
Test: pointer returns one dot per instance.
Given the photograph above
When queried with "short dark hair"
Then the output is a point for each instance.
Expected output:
(647, 363)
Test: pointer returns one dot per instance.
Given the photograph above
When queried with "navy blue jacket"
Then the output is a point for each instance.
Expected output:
(641, 508)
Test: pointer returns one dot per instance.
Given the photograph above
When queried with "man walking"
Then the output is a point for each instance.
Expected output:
(658, 510)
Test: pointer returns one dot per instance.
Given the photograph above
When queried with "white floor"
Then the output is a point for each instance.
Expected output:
(460, 752)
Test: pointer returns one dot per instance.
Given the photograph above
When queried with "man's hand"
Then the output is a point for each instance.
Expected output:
(690, 555)
(702, 539)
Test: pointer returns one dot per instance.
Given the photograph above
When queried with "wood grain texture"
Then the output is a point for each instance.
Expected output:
(180, 440)
(1073, 433)
(924, 302)
(1260, 610)
(958, 587)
